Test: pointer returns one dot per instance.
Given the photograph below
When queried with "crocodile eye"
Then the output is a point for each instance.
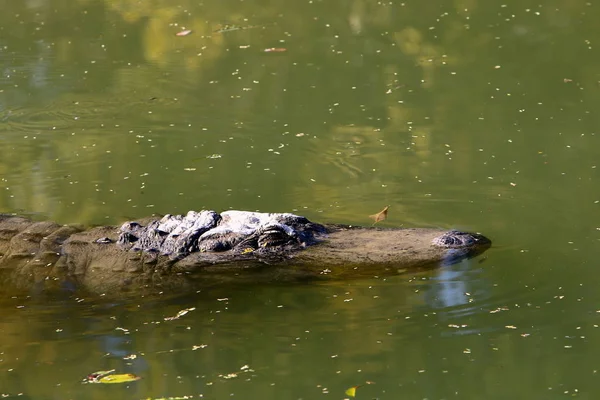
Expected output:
(451, 241)
(127, 237)
(273, 237)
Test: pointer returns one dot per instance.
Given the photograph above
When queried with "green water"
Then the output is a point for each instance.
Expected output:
(468, 114)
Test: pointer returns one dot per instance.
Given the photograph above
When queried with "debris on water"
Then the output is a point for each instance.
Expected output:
(275, 50)
(109, 377)
(180, 314)
(231, 375)
(94, 377)
(228, 28)
(232, 27)
(184, 32)
(380, 216)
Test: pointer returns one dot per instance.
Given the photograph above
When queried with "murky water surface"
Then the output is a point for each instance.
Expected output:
(469, 114)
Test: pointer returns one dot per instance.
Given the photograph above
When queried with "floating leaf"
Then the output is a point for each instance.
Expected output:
(184, 32)
(119, 378)
(352, 391)
(380, 216)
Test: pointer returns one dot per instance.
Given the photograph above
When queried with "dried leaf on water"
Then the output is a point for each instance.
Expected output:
(380, 216)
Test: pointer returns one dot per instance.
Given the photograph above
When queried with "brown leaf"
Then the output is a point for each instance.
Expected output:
(380, 216)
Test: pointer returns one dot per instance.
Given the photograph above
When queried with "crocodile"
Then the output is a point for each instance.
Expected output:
(180, 252)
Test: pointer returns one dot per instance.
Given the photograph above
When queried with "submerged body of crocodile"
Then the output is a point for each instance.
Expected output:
(203, 247)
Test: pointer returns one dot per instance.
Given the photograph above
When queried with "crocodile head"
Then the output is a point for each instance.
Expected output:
(461, 245)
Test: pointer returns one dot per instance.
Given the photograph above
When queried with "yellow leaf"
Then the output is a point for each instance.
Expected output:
(119, 378)
(352, 391)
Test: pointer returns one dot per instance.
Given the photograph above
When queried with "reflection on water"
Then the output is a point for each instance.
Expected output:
(403, 333)
(453, 286)
(258, 334)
